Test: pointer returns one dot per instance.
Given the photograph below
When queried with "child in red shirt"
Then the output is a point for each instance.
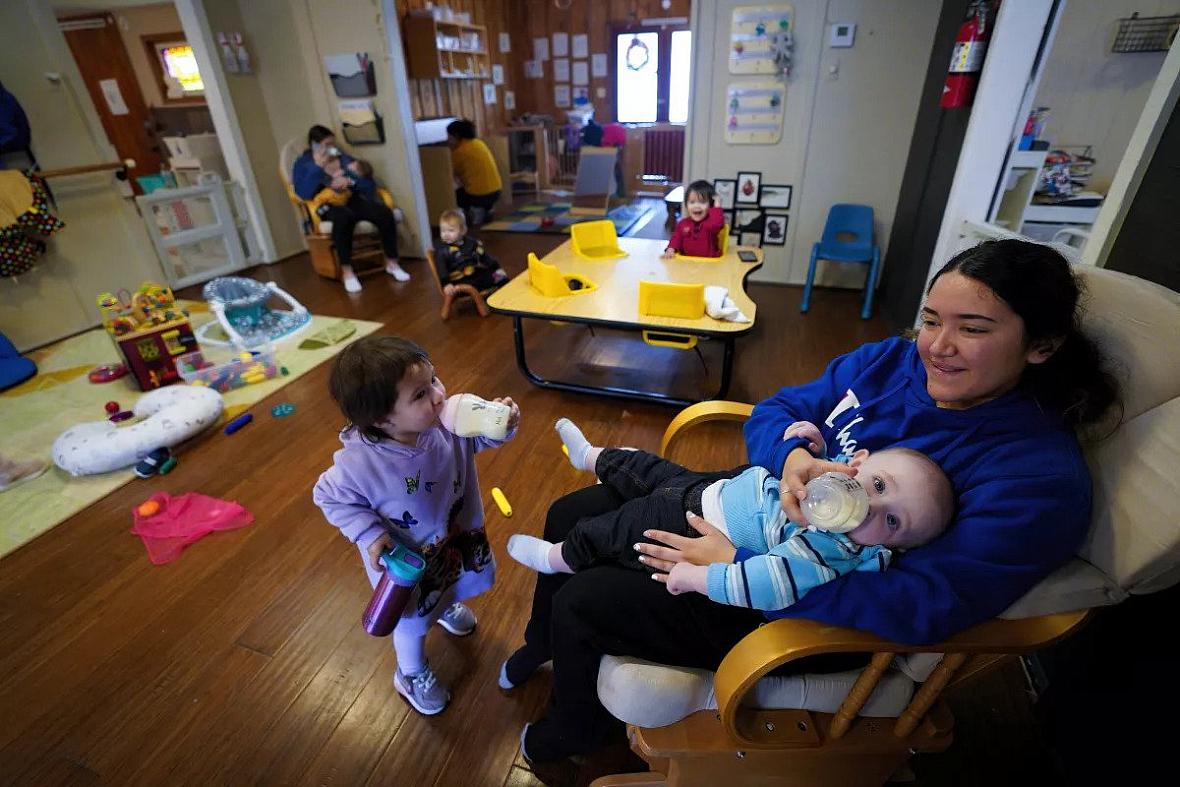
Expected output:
(696, 234)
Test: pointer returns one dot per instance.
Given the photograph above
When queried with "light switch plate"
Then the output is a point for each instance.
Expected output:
(842, 34)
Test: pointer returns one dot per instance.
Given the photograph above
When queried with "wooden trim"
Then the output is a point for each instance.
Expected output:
(149, 41)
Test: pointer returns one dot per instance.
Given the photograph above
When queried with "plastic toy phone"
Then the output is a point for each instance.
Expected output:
(747, 256)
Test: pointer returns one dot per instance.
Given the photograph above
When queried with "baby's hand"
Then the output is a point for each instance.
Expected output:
(810, 432)
(668, 253)
(685, 578)
(378, 548)
(716, 200)
(514, 416)
(450, 289)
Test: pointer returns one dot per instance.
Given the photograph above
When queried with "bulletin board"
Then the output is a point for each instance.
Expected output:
(758, 34)
(754, 112)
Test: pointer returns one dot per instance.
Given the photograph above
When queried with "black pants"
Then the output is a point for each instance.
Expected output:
(577, 618)
(656, 492)
(345, 217)
(485, 201)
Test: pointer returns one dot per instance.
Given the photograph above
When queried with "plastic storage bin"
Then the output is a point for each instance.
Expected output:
(245, 368)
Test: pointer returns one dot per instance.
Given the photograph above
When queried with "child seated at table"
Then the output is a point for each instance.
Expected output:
(697, 234)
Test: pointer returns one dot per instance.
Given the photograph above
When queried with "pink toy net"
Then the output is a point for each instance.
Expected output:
(184, 519)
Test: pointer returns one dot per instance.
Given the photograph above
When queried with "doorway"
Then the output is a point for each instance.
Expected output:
(141, 75)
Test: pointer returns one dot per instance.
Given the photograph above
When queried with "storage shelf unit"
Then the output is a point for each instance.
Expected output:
(445, 50)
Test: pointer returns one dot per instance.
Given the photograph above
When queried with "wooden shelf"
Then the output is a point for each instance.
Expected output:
(425, 59)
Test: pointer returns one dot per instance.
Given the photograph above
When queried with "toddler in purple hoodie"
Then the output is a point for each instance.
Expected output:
(402, 477)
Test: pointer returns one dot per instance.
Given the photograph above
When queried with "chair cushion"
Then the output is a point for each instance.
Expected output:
(361, 228)
(654, 695)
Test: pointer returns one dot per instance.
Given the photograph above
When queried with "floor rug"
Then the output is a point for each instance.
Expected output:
(531, 218)
(35, 412)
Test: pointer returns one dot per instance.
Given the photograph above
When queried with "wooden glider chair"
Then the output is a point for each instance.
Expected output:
(367, 254)
(465, 292)
(737, 727)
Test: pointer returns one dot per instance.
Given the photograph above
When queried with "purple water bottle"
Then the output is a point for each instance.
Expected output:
(403, 569)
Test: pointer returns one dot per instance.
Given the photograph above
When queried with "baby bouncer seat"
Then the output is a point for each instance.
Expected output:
(242, 312)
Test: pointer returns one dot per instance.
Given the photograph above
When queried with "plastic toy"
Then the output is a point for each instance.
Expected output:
(148, 508)
(238, 423)
(112, 407)
(240, 306)
(106, 373)
(248, 367)
(501, 501)
(166, 468)
(122, 415)
(281, 410)
(150, 330)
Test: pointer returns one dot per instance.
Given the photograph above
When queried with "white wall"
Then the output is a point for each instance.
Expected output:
(1095, 96)
(845, 137)
(290, 38)
(104, 245)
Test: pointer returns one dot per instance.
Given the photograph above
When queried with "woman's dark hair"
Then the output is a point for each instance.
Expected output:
(365, 379)
(318, 134)
(462, 129)
(701, 188)
(1036, 282)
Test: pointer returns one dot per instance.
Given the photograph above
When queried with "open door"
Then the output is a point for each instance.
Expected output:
(106, 69)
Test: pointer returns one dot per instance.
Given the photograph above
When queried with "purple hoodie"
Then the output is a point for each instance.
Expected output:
(427, 497)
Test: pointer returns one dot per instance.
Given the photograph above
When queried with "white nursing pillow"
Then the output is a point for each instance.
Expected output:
(169, 416)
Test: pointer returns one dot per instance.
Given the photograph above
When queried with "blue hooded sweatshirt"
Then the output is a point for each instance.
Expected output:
(1021, 486)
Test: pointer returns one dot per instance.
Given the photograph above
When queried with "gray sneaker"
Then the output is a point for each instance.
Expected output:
(423, 691)
(458, 619)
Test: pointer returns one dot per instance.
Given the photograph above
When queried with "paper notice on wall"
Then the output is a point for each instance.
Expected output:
(561, 95)
(115, 102)
(509, 100)
(581, 46)
(533, 69)
(505, 43)
(598, 66)
(561, 45)
(581, 73)
(489, 93)
(497, 74)
(561, 70)
(540, 49)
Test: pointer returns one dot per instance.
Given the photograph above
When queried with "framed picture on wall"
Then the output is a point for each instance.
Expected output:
(774, 231)
(748, 220)
(726, 189)
(748, 188)
(776, 197)
(750, 239)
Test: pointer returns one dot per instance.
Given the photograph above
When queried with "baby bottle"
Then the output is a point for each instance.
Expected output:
(403, 568)
(466, 415)
(835, 502)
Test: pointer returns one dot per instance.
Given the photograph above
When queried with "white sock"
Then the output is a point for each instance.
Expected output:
(576, 444)
(532, 552)
(396, 271)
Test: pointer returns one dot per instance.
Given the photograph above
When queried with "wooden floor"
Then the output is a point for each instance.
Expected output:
(243, 662)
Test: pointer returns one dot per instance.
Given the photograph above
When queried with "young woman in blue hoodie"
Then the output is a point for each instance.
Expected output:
(992, 390)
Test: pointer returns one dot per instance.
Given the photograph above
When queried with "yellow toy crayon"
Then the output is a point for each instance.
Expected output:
(501, 501)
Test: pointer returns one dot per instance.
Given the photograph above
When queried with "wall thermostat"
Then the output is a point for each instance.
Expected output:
(842, 34)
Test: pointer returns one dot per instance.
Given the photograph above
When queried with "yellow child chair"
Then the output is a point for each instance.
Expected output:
(324, 260)
(722, 243)
(550, 282)
(667, 299)
(596, 240)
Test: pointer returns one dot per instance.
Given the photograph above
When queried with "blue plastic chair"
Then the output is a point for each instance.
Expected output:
(848, 237)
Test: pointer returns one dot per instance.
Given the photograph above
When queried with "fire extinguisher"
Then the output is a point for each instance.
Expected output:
(967, 59)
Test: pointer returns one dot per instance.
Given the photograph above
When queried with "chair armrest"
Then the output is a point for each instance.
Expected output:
(787, 639)
(702, 412)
